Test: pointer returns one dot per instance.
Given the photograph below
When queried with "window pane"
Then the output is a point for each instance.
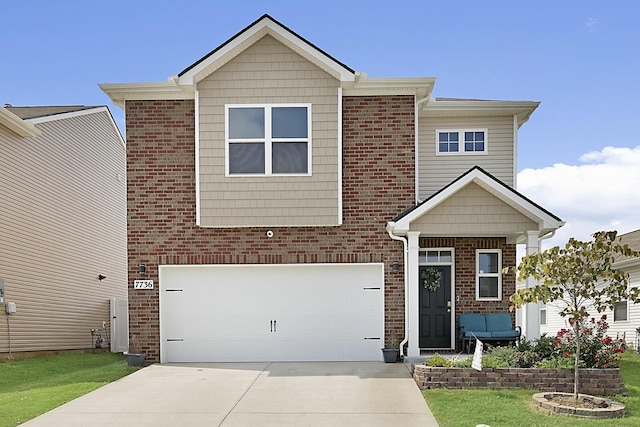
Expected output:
(620, 311)
(543, 317)
(443, 137)
(453, 136)
(289, 157)
(488, 262)
(479, 136)
(443, 147)
(479, 146)
(488, 287)
(445, 256)
(468, 136)
(246, 123)
(432, 256)
(468, 146)
(246, 158)
(289, 122)
(453, 147)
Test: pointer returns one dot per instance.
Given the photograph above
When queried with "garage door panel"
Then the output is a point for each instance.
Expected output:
(269, 312)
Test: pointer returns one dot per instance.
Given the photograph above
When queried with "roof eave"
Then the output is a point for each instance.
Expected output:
(442, 108)
(16, 125)
(121, 92)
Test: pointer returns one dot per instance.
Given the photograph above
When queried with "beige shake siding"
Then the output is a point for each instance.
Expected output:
(436, 171)
(62, 223)
(473, 210)
(268, 73)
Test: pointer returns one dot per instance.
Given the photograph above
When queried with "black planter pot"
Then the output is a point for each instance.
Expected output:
(391, 355)
(134, 359)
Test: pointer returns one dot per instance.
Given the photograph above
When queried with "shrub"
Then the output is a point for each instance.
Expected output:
(597, 350)
(439, 361)
(556, 363)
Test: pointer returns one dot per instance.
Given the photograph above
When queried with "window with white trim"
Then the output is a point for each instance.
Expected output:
(489, 274)
(268, 139)
(543, 313)
(621, 312)
(461, 141)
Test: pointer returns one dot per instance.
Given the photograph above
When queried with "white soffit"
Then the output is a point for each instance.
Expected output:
(16, 125)
(474, 107)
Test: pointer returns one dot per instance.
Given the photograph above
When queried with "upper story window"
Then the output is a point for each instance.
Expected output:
(461, 141)
(489, 274)
(268, 139)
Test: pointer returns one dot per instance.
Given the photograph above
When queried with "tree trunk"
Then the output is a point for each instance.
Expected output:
(576, 376)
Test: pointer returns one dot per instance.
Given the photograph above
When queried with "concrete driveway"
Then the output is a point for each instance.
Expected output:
(252, 394)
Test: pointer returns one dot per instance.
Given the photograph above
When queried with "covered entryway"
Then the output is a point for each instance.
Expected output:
(245, 313)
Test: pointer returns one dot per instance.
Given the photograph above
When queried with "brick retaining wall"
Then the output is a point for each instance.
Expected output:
(597, 382)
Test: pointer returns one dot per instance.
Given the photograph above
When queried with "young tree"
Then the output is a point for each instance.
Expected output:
(579, 274)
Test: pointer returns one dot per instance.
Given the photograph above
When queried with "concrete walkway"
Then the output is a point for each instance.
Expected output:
(252, 394)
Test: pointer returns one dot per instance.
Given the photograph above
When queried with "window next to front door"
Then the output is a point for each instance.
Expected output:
(489, 274)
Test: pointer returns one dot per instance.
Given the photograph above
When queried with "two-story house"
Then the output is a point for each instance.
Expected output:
(287, 207)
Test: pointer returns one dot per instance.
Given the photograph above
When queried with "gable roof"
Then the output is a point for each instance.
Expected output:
(546, 220)
(265, 25)
(633, 240)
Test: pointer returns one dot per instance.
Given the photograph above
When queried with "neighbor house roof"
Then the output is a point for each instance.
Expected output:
(633, 240)
(33, 112)
(15, 124)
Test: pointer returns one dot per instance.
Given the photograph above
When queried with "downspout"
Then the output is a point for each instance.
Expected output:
(406, 285)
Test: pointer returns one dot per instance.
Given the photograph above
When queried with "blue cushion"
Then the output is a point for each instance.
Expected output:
(477, 334)
(499, 322)
(472, 322)
(504, 334)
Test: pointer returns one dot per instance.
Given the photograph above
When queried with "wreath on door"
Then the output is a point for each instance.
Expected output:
(431, 279)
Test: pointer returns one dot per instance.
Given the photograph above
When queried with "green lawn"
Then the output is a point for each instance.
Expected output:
(514, 408)
(30, 387)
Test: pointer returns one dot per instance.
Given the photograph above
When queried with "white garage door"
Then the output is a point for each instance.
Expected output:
(244, 313)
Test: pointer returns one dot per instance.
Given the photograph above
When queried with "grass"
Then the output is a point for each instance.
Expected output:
(30, 387)
(513, 407)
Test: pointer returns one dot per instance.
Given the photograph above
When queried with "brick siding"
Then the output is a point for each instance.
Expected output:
(378, 183)
(596, 382)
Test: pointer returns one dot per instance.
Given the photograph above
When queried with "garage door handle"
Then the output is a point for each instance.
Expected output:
(273, 326)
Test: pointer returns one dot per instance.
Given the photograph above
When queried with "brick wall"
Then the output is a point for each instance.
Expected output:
(378, 183)
(597, 382)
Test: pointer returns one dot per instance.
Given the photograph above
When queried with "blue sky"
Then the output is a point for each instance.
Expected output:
(579, 58)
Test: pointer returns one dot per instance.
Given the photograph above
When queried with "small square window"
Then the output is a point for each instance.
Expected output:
(620, 312)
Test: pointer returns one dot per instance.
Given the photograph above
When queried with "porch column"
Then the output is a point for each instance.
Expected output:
(532, 310)
(413, 237)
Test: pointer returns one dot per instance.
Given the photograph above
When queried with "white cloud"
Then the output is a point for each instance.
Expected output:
(592, 25)
(600, 193)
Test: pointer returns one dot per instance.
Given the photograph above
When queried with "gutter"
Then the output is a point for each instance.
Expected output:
(405, 252)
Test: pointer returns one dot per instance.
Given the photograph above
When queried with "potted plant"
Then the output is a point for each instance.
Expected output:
(391, 354)
(134, 357)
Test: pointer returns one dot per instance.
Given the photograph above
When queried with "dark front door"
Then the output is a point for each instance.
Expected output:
(435, 306)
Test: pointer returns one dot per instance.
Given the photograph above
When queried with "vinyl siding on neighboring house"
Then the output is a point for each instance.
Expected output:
(626, 329)
(268, 73)
(472, 210)
(436, 171)
(62, 223)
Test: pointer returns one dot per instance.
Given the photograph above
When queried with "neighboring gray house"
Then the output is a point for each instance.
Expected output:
(63, 243)
(623, 320)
